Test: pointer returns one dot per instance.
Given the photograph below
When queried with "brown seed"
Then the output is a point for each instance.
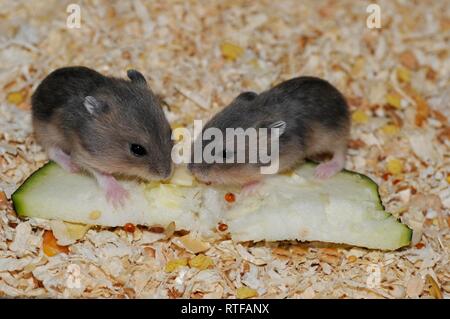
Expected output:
(431, 74)
(129, 228)
(3, 199)
(245, 267)
(156, 229)
(230, 197)
(330, 259)
(222, 227)
(181, 232)
(356, 144)
(409, 60)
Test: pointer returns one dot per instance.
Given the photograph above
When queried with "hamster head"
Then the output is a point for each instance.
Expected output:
(239, 162)
(126, 131)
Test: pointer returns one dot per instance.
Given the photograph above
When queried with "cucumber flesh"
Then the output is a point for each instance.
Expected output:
(343, 209)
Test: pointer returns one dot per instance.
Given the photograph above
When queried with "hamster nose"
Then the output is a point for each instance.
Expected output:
(165, 171)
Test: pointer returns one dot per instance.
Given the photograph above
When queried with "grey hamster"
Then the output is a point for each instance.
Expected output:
(311, 114)
(103, 124)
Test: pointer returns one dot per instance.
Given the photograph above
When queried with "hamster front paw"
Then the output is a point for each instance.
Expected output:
(115, 193)
(62, 159)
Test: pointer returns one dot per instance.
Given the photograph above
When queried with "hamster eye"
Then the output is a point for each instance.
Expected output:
(138, 150)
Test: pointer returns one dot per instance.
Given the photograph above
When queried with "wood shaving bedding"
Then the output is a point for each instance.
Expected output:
(198, 55)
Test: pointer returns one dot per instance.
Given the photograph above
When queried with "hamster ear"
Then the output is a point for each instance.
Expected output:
(136, 76)
(280, 125)
(247, 96)
(93, 106)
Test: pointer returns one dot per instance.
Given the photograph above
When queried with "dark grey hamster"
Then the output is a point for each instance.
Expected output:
(311, 114)
(103, 124)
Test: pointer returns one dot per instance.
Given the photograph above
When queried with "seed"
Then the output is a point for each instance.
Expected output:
(174, 264)
(420, 245)
(201, 262)
(156, 229)
(222, 227)
(150, 252)
(3, 199)
(129, 228)
(245, 292)
(351, 259)
(230, 197)
(395, 166)
(231, 51)
(95, 214)
(360, 117)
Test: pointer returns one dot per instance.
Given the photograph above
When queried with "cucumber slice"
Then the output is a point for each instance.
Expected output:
(344, 209)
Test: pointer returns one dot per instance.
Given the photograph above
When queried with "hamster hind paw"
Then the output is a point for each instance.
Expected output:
(327, 169)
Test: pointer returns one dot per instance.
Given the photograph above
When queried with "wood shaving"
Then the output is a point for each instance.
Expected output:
(197, 57)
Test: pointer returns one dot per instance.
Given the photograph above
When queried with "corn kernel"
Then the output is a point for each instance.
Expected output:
(245, 292)
(174, 264)
(395, 166)
(351, 259)
(358, 66)
(201, 262)
(404, 75)
(359, 117)
(394, 100)
(390, 129)
(231, 51)
(16, 97)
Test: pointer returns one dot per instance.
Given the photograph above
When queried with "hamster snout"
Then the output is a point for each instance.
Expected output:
(107, 126)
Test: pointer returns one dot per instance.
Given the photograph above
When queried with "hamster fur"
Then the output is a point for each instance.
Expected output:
(313, 119)
(104, 125)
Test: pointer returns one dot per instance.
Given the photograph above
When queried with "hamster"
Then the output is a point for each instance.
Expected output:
(312, 117)
(104, 125)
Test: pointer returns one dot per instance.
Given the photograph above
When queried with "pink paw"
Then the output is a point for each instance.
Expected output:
(73, 168)
(250, 188)
(116, 194)
(327, 170)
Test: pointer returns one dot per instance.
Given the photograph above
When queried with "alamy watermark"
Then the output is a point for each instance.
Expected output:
(73, 20)
(373, 21)
(235, 145)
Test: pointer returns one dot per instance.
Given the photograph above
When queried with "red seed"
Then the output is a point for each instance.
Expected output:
(420, 245)
(230, 197)
(129, 228)
(222, 227)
